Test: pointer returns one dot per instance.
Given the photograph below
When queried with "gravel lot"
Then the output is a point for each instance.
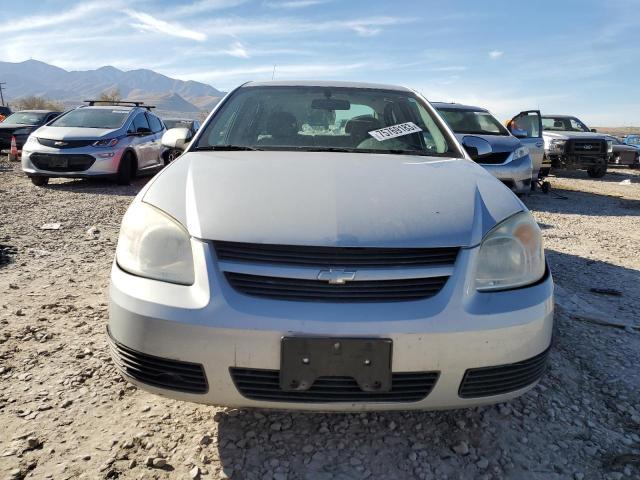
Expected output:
(65, 413)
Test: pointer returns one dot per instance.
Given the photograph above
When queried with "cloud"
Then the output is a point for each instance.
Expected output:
(495, 54)
(39, 21)
(296, 3)
(237, 50)
(205, 6)
(153, 24)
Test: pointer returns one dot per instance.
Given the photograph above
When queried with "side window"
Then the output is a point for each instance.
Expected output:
(528, 121)
(578, 126)
(139, 121)
(154, 122)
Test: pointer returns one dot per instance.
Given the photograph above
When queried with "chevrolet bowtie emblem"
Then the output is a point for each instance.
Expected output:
(336, 276)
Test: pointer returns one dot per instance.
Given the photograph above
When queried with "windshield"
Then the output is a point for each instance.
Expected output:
(177, 123)
(563, 124)
(325, 119)
(93, 118)
(472, 122)
(25, 118)
(635, 140)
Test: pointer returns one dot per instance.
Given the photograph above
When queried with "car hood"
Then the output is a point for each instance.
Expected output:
(332, 199)
(74, 133)
(567, 135)
(499, 143)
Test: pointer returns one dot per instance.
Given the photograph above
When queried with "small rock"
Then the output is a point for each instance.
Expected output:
(51, 226)
(194, 473)
(462, 448)
(205, 440)
(159, 462)
(276, 426)
(132, 464)
(145, 409)
(33, 442)
(307, 448)
(15, 474)
(482, 463)
(66, 403)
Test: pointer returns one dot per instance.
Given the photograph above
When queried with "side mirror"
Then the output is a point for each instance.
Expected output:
(518, 133)
(594, 130)
(177, 138)
(476, 147)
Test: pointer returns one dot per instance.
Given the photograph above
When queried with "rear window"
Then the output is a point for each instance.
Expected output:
(93, 118)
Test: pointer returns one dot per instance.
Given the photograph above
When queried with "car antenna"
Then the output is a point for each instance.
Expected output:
(273, 75)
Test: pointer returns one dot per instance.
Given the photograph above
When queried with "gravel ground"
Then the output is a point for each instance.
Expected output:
(65, 413)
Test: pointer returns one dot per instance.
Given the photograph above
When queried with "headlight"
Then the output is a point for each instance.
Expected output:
(30, 140)
(154, 245)
(511, 255)
(107, 142)
(609, 146)
(520, 152)
(557, 145)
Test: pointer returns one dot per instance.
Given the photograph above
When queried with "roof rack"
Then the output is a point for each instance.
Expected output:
(123, 103)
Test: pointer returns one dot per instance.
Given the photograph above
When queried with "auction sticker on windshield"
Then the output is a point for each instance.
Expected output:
(395, 131)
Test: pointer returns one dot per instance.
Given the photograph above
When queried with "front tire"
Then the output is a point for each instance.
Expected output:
(39, 181)
(126, 171)
(597, 171)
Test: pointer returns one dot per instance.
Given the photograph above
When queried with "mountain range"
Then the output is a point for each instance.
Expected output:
(33, 77)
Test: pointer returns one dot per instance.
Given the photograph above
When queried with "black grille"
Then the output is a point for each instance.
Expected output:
(487, 381)
(335, 256)
(65, 143)
(316, 290)
(50, 162)
(159, 372)
(494, 158)
(258, 384)
(588, 147)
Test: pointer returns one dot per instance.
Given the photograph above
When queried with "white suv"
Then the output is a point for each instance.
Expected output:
(329, 246)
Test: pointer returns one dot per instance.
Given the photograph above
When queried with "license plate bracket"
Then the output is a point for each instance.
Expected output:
(58, 162)
(366, 360)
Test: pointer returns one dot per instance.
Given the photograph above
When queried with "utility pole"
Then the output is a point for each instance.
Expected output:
(1, 95)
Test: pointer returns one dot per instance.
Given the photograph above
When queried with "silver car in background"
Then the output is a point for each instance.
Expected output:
(329, 246)
(117, 141)
(514, 161)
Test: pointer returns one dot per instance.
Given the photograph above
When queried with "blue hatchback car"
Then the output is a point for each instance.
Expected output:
(514, 159)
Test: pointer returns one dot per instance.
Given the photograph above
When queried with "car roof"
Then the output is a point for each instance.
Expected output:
(558, 116)
(457, 106)
(179, 119)
(324, 83)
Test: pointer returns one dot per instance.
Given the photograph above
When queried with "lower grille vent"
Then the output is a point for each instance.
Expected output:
(258, 384)
(159, 372)
(487, 381)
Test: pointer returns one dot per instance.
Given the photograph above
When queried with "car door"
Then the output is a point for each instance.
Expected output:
(142, 140)
(527, 126)
(155, 146)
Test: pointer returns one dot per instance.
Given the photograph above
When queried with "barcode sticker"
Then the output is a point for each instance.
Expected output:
(395, 131)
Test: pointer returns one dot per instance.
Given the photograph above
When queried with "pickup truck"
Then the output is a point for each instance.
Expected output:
(568, 143)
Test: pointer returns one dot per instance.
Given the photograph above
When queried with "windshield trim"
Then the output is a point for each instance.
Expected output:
(457, 151)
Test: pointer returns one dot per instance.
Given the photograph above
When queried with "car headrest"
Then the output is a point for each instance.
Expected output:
(282, 124)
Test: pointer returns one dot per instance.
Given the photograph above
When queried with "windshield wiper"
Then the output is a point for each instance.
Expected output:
(225, 148)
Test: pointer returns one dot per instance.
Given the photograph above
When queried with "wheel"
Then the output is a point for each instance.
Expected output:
(39, 181)
(170, 156)
(126, 170)
(597, 171)
(546, 187)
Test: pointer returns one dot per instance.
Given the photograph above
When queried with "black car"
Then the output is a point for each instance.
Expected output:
(21, 124)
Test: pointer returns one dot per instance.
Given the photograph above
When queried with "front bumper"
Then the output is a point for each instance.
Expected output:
(101, 165)
(515, 174)
(211, 325)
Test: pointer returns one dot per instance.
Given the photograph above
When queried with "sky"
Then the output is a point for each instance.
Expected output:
(578, 57)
